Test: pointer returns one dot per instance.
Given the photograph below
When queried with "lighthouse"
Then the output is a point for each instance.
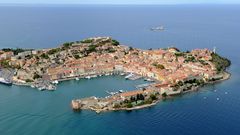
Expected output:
(214, 49)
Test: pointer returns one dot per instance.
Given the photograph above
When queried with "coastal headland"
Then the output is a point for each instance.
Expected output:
(167, 71)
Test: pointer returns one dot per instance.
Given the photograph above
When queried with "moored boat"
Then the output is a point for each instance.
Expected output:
(94, 76)
(55, 82)
(122, 74)
(128, 76)
(88, 77)
(6, 82)
(160, 28)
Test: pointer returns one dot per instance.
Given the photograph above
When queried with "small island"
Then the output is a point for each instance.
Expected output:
(168, 71)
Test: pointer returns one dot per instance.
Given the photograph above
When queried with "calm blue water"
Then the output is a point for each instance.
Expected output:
(27, 111)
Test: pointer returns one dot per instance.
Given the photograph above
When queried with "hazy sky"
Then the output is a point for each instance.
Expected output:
(123, 1)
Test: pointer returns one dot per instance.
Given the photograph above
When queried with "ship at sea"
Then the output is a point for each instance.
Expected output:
(159, 28)
(6, 82)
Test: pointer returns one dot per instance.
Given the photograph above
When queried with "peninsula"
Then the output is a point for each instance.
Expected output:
(169, 71)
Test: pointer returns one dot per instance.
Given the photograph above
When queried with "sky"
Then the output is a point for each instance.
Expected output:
(120, 1)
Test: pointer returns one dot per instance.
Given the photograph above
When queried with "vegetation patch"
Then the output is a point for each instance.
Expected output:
(158, 66)
(115, 42)
(220, 63)
(15, 51)
(87, 41)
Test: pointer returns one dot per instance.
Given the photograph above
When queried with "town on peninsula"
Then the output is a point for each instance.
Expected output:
(167, 72)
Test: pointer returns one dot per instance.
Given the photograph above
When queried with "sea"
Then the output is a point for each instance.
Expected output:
(213, 110)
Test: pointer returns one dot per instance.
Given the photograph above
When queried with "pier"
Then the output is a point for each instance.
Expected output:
(141, 86)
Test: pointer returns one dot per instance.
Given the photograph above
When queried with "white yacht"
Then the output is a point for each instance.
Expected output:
(88, 77)
(160, 28)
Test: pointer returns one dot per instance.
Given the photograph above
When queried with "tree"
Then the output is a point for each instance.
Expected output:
(67, 45)
(15, 51)
(44, 56)
(190, 58)
(116, 106)
(140, 97)
(5, 64)
(36, 76)
(220, 63)
(37, 57)
(164, 94)
(148, 101)
(132, 98)
(129, 105)
(126, 101)
(115, 42)
(111, 50)
(153, 97)
(53, 51)
(178, 54)
(160, 66)
(29, 80)
(180, 83)
(76, 56)
(91, 48)
(130, 48)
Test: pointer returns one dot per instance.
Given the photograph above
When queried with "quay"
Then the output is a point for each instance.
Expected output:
(141, 86)
(116, 92)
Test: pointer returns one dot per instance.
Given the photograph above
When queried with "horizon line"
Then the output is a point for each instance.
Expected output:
(109, 4)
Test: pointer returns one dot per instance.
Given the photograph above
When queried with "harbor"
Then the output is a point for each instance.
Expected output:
(42, 85)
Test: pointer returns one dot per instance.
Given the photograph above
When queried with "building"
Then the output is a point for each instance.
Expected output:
(22, 55)
(76, 104)
(119, 68)
(6, 55)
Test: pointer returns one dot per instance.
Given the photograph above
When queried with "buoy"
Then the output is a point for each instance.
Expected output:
(226, 92)
(218, 99)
